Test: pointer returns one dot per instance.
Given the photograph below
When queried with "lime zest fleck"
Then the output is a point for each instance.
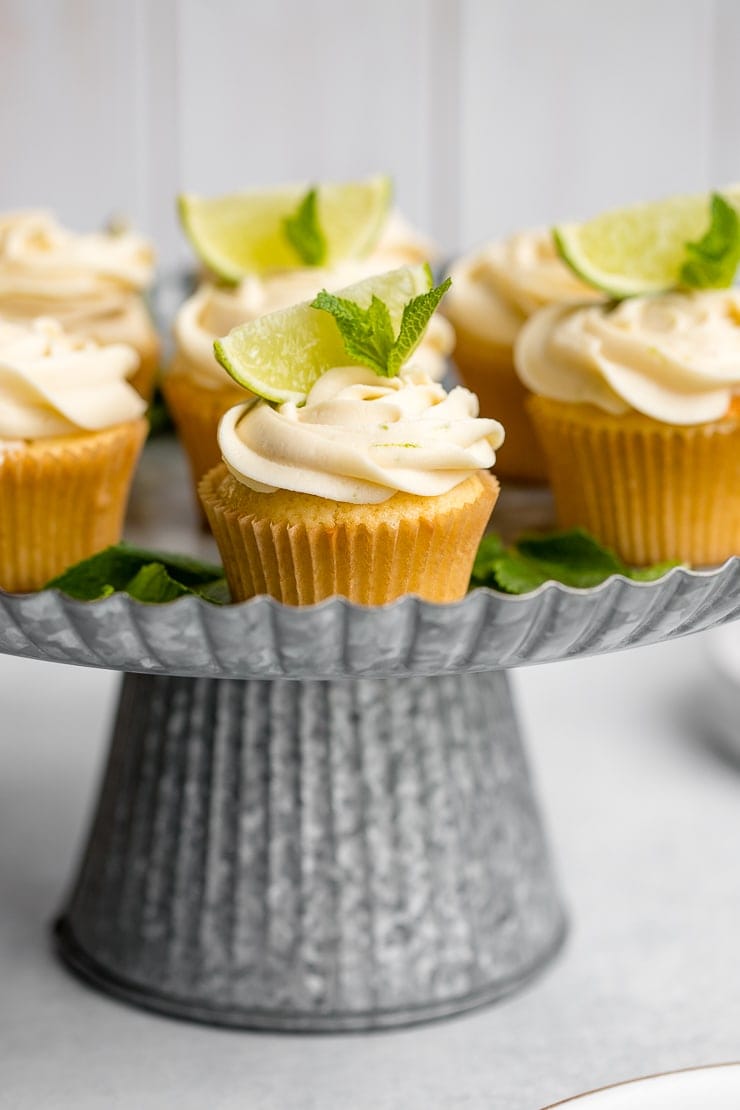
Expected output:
(303, 231)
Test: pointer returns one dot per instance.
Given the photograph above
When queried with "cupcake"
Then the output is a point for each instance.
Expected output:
(92, 284)
(375, 488)
(636, 407)
(494, 291)
(71, 429)
(198, 391)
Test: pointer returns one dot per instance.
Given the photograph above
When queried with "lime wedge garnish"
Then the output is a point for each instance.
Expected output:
(638, 250)
(244, 233)
(281, 355)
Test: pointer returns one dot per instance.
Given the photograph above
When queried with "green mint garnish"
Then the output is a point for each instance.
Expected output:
(573, 557)
(368, 332)
(712, 261)
(145, 575)
(303, 231)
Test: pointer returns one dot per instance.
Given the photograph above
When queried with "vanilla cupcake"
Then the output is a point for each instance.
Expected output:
(198, 391)
(494, 291)
(375, 488)
(637, 410)
(71, 430)
(92, 284)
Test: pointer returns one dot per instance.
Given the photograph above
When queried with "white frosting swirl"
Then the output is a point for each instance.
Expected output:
(361, 438)
(53, 384)
(213, 311)
(497, 288)
(39, 259)
(674, 357)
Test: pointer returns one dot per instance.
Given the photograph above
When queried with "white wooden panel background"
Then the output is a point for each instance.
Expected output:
(490, 114)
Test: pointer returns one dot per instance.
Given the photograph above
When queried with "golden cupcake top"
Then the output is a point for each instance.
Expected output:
(674, 357)
(41, 261)
(55, 384)
(495, 289)
(361, 437)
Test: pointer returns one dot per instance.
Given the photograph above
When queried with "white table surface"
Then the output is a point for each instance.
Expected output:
(644, 818)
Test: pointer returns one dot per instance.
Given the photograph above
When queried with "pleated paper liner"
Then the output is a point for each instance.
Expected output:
(196, 411)
(651, 491)
(61, 499)
(488, 370)
(302, 549)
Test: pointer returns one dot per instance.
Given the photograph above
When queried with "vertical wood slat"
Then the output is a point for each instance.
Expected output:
(490, 114)
(288, 91)
(724, 122)
(67, 126)
(571, 107)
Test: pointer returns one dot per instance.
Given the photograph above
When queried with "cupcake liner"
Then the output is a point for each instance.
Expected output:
(428, 549)
(651, 491)
(196, 412)
(488, 370)
(63, 499)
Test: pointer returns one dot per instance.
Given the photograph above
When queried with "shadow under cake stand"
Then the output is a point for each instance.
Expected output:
(321, 818)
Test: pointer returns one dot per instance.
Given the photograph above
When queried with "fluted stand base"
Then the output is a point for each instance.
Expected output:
(313, 855)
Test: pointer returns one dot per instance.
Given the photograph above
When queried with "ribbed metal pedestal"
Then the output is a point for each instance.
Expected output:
(314, 855)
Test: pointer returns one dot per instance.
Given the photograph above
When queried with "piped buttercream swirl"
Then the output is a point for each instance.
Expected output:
(40, 258)
(54, 384)
(361, 438)
(495, 290)
(673, 357)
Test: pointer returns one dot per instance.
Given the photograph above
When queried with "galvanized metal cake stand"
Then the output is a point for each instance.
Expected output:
(322, 818)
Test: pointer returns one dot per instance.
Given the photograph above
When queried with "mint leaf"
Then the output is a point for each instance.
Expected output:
(490, 549)
(649, 574)
(152, 583)
(146, 575)
(367, 333)
(416, 315)
(713, 260)
(572, 557)
(303, 231)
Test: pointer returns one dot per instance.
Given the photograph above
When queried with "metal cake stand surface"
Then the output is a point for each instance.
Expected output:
(321, 818)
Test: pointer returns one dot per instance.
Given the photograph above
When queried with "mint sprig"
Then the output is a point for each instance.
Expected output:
(303, 231)
(368, 334)
(151, 576)
(572, 557)
(712, 261)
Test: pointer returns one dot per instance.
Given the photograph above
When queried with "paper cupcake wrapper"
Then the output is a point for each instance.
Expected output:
(63, 499)
(430, 554)
(490, 373)
(651, 491)
(196, 412)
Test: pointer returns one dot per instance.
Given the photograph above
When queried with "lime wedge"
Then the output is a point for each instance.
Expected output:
(244, 233)
(281, 355)
(641, 249)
